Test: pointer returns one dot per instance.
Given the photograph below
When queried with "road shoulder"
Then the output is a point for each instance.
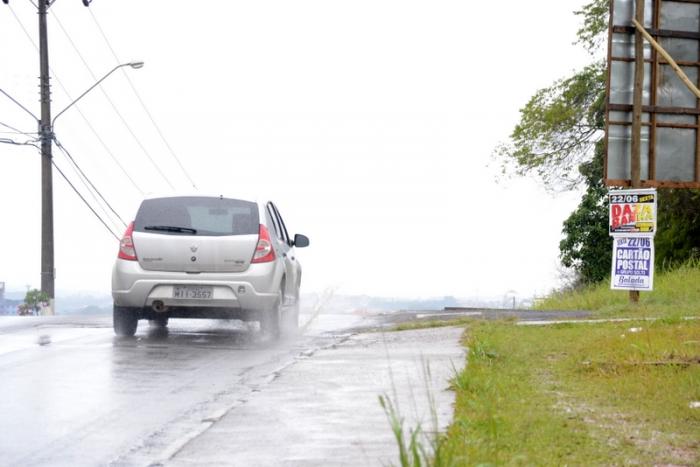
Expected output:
(324, 409)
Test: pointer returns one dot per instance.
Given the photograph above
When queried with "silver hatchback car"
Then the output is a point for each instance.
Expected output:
(207, 257)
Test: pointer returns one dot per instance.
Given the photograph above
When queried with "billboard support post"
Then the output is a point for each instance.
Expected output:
(637, 111)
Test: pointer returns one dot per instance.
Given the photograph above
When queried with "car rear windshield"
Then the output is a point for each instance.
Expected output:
(197, 215)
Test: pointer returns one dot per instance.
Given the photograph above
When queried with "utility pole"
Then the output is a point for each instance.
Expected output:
(46, 134)
(45, 124)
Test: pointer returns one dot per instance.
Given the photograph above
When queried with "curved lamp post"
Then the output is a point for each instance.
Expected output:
(135, 65)
(46, 133)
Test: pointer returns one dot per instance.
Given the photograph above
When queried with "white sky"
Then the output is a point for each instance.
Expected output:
(370, 123)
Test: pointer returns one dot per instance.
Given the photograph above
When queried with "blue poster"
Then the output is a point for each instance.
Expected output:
(633, 263)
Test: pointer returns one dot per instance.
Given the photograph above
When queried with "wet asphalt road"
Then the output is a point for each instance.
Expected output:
(71, 393)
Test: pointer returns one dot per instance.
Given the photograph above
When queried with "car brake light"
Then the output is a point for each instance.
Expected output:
(126, 245)
(263, 250)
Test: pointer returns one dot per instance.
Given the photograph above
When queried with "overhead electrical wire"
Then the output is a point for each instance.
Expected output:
(15, 130)
(20, 105)
(82, 115)
(114, 107)
(84, 200)
(18, 143)
(95, 202)
(53, 162)
(85, 177)
(92, 195)
(141, 101)
(109, 151)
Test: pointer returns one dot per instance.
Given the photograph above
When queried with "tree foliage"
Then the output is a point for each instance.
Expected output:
(33, 301)
(593, 31)
(559, 139)
(587, 246)
(678, 235)
(559, 127)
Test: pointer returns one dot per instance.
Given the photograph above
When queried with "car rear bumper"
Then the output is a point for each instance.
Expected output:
(253, 290)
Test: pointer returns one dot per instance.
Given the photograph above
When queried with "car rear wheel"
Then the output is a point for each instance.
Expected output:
(270, 319)
(291, 317)
(125, 321)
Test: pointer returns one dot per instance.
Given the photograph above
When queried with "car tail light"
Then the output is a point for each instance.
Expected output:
(126, 245)
(263, 251)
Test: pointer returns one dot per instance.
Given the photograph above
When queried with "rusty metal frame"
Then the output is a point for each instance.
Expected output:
(652, 109)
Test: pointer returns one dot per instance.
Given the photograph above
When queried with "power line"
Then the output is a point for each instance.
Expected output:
(95, 200)
(48, 274)
(20, 105)
(21, 25)
(18, 143)
(82, 115)
(114, 107)
(15, 130)
(84, 200)
(106, 148)
(85, 177)
(141, 101)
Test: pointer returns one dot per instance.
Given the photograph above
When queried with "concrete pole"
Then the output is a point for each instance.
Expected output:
(46, 133)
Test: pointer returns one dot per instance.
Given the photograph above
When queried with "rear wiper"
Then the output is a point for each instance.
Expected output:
(170, 228)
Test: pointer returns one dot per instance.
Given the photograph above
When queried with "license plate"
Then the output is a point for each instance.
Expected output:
(194, 292)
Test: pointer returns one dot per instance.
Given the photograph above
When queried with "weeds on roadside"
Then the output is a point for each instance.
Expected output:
(417, 448)
(411, 452)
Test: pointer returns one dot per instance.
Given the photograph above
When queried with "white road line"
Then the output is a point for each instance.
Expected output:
(448, 315)
(594, 321)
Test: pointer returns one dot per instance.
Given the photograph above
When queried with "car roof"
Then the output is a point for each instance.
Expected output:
(198, 194)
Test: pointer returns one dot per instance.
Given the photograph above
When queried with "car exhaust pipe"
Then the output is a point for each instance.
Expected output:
(159, 307)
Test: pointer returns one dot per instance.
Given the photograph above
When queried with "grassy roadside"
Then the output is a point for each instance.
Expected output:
(676, 293)
(575, 394)
(584, 394)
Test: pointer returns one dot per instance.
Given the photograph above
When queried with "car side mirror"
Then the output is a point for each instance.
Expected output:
(301, 241)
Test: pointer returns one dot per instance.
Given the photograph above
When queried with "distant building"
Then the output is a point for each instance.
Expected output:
(7, 307)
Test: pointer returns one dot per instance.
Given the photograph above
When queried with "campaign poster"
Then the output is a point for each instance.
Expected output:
(632, 212)
(633, 263)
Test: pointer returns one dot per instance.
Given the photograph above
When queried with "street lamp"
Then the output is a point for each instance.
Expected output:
(134, 65)
(46, 134)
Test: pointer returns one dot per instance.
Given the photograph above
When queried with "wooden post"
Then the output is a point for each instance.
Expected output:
(636, 149)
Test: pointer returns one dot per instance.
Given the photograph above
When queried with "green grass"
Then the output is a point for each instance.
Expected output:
(676, 293)
(605, 393)
(432, 323)
(577, 394)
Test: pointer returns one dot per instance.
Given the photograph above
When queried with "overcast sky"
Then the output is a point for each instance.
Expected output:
(370, 123)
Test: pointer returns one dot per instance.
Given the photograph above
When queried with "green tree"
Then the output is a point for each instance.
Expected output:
(559, 137)
(678, 236)
(587, 246)
(33, 301)
(558, 129)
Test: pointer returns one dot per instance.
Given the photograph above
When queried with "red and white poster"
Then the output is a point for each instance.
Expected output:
(632, 212)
